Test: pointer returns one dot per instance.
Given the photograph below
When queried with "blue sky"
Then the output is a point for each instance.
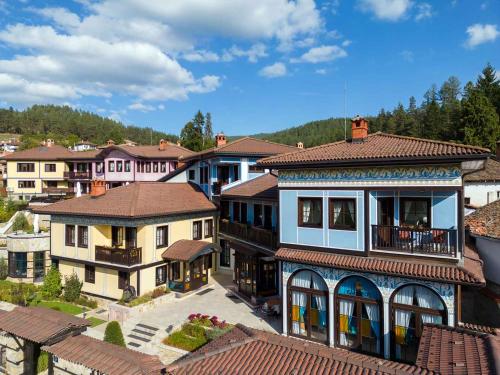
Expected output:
(259, 65)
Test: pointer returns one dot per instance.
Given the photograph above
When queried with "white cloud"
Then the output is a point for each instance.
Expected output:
(141, 107)
(254, 53)
(201, 56)
(346, 43)
(320, 71)
(272, 71)
(481, 33)
(321, 54)
(424, 10)
(386, 10)
(61, 16)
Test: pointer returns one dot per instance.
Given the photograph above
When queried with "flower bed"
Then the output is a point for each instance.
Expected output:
(199, 330)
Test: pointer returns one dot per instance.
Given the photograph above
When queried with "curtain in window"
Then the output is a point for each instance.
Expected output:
(346, 323)
(432, 319)
(402, 323)
(373, 313)
(405, 295)
(306, 211)
(299, 303)
(427, 298)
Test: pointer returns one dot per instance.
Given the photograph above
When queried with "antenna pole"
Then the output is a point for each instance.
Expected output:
(345, 111)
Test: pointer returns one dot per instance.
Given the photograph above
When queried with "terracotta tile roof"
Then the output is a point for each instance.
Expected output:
(458, 351)
(480, 328)
(376, 147)
(471, 273)
(139, 199)
(245, 146)
(54, 152)
(485, 221)
(259, 352)
(172, 151)
(39, 324)
(490, 173)
(85, 155)
(262, 187)
(104, 357)
(186, 250)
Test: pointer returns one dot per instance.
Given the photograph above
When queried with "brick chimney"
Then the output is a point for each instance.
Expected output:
(48, 142)
(163, 144)
(359, 127)
(220, 140)
(97, 188)
(299, 145)
(110, 142)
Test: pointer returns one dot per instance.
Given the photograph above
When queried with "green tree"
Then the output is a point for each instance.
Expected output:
(72, 288)
(21, 224)
(449, 95)
(192, 137)
(489, 84)
(52, 285)
(208, 133)
(479, 119)
(113, 334)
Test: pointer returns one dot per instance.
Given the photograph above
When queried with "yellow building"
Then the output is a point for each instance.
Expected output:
(117, 238)
(37, 172)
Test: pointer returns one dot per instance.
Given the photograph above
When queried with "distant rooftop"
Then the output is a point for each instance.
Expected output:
(262, 187)
(485, 221)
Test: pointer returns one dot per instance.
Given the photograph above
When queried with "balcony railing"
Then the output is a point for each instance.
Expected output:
(56, 190)
(426, 241)
(114, 255)
(245, 232)
(78, 175)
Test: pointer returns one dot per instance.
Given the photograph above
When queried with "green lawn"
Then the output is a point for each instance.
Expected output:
(95, 321)
(64, 307)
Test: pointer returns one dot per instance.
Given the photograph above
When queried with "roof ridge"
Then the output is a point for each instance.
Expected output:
(271, 142)
(431, 141)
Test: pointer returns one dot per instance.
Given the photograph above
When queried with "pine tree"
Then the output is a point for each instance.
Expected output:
(113, 334)
(479, 119)
(489, 84)
(208, 134)
(191, 137)
(449, 95)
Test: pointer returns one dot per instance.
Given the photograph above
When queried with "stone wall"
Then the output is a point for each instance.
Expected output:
(14, 364)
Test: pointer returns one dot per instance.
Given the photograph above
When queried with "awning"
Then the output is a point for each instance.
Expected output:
(188, 250)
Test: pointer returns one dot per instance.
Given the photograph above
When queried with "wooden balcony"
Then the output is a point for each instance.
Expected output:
(423, 241)
(78, 175)
(124, 257)
(246, 232)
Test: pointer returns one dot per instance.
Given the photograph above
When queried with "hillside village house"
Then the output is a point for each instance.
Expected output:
(53, 170)
(372, 240)
(482, 187)
(248, 235)
(144, 235)
(227, 164)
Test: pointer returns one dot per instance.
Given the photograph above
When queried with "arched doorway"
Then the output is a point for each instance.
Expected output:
(411, 307)
(359, 315)
(308, 306)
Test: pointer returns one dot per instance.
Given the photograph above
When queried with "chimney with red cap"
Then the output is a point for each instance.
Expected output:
(220, 140)
(163, 144)
(359, 128)
(97, 188)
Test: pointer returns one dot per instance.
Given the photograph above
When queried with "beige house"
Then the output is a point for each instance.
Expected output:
(115, 239)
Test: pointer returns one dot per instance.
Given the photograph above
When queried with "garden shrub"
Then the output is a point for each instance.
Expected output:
(179, 340)
(113, 334)
(4, 269)
(52, 285)
(193, 330)
(72, 288)
(42, 364)
(21, 223)
(158, 292)
(17, 295)
(87, 302)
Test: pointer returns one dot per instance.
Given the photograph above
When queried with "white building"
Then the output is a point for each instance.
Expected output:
(483, 187)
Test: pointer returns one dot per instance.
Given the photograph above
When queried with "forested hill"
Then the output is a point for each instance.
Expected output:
(451, 112)
(67, 125)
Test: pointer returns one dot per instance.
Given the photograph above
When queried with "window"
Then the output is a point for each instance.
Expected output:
(83, 236)
(243, 213)
(224, 210)
(127, 165)
(225, 255)
(258, 218)
(175, 267)
(209, 228)
(163, 167)
(161, 275)
(25, 167)
(162, 236)
(123, 279)
(310, 212)
(197, 230)
(268, 217)
(236, 211)
(39, 266)
(70, 235)
(26, 184)
(155, 167)
(99, 167)
(308, 309)
(51, 184)
(415, 212)
(117, 236)
(342, 214)
(467, 200)
(89, 274)
(204, 175)
(18, 264)
(236, 172)
(119, 166)
(50, 167)
(111, 166)
(148, 167)
(192, 175)
(359, 318)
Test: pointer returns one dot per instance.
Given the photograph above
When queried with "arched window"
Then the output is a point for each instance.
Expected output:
(359, 315)
(308, 306)
(412, 306)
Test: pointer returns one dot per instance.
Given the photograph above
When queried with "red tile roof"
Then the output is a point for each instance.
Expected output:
(485, 221)
(54, 152)
(244, 146)
(39, 324)
(458, 351)
(250, 351)
(471, 273)
(186, 250)
(172, 151)
(262, 187)
(376, 147)
(490, 173)
(139, 199)
(104, 357)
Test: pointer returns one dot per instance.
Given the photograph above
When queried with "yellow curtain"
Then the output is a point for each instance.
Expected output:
(344, 323)
(400, 335)
(295, 313)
